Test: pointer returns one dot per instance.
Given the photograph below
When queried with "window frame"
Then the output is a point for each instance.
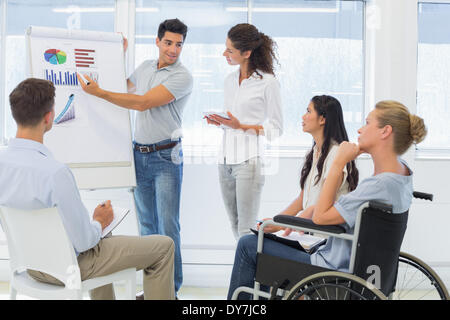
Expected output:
(430, 153)
(298, 151)
(292, 151)
(3, 8)
(124, 21)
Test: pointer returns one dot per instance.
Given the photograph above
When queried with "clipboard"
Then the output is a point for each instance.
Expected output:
(119, 215)
(296, 243)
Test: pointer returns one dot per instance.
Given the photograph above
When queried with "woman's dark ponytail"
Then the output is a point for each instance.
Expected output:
(246, 37)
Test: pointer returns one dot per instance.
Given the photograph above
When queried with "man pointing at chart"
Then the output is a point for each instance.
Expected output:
(158, 90)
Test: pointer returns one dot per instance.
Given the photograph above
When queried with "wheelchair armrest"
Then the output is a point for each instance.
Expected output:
(380, 206)
(306, 223)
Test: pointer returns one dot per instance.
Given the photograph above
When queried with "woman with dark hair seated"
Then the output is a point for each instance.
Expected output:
(388, 133)
(324, 121)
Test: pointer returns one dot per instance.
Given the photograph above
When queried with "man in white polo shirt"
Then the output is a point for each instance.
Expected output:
(158, 90)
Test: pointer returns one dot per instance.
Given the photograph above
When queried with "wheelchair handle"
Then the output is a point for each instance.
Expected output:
(423, 195)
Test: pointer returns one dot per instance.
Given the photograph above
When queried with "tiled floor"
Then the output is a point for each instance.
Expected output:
(202, 293)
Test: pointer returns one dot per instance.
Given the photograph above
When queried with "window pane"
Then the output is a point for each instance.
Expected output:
(2, 59)
(74, 14)
(320, 49)
(208, 23)
(320, 52)
(433, 73)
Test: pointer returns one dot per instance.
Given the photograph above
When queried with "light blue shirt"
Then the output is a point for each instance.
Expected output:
(30, 178)
(389, 188)
(163, 122)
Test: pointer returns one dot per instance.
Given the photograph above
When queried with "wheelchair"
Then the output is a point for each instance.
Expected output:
(377, 270)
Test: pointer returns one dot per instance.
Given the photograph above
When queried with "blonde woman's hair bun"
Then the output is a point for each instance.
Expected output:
(408, 128)
(417, 128)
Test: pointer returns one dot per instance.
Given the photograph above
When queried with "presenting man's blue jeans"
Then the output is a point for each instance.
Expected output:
(244, 268)
(159, 175)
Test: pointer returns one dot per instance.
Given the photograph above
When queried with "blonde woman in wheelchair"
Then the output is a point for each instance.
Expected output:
(389, 131)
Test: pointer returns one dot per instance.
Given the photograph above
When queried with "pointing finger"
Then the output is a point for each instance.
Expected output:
(80, 80)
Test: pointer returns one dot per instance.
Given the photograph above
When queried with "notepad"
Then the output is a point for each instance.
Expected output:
(119, 215)
(307, 241)
(304, 242)
(217, 113)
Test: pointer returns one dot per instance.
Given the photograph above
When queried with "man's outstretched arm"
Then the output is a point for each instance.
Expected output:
(155, 97)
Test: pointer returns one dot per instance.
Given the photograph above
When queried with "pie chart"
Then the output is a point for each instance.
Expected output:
(55, 56)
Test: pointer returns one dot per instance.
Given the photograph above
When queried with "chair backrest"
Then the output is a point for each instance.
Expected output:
(379, 241)
(37, 240)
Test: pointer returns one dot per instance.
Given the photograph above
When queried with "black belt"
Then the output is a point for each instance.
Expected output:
(153, 148)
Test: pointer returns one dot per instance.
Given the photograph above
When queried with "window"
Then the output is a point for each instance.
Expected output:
(74, 14)
(320, 49)
(208, 23)
(2, 69)
(433, 74)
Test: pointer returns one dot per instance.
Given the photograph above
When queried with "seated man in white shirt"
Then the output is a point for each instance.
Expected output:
(30, 178)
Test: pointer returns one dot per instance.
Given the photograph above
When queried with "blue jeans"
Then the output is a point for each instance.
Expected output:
(244, 268)
(159, 175)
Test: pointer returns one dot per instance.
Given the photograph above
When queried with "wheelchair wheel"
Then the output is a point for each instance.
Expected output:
(334, 286)
(417, 281)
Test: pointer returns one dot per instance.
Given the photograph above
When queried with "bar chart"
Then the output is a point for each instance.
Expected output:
(92, 75)
(84, 58)
(62, 78)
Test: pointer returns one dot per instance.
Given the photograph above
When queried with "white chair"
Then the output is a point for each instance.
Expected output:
(37, 240)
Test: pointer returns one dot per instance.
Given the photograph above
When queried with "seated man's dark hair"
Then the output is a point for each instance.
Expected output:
(172, 25)
(31, 100)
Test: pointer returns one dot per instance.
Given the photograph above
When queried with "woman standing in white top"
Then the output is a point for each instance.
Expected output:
(325, 122)
(253, 104)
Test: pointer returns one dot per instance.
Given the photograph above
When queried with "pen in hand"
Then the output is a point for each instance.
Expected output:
(258, 223)
(104, 214)
(104, 203)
